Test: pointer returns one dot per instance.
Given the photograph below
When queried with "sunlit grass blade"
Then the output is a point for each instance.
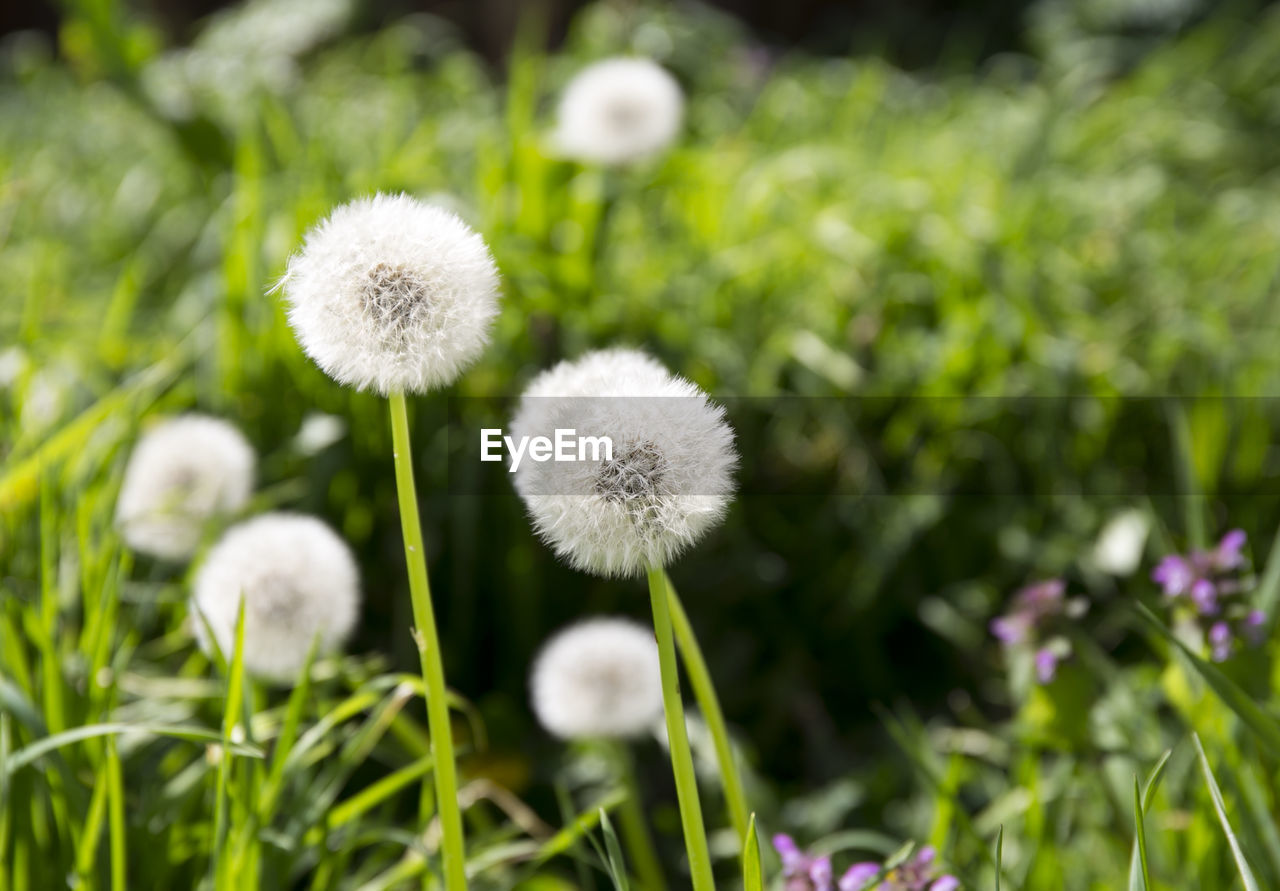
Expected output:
(613, 850)
(230, 717)
(752, 871)
(1263, 725)
(571, 834)
(1220, 808)
(1139, 876)
(116, 818)
(50, 744)
(999, 855)
(704, 692)
(695, 834)
(1140, 840)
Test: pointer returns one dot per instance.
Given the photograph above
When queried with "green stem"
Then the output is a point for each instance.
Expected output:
(634, 828)
(704, 691)
(695, 833)
(446, 772)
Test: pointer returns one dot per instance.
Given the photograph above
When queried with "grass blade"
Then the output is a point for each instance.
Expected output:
(1139, 877)
(49, 744)
(1220, 807)
(1263, 725)
(1140, 839)
(617, 866)
(752, 872)
(999, 855)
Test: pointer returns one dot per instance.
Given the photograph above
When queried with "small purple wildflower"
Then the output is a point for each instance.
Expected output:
(1033, 614)
(801, 871)
(1209, 586)
(1046, 664)
(917, 874)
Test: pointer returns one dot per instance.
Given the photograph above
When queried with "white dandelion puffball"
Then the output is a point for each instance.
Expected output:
(664, 479)
(1118, 550)
(183, 472)
(618, 110)
(392, 294)
(299, 582)
(599, 678)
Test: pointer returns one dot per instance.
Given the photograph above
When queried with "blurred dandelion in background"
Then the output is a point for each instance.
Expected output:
(299, 583)
(182, 473)
(618, 111)
(598, 678)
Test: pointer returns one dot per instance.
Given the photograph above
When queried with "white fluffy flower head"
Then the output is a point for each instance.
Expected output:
(299, 581)
(392, 294)
(599, 678)
(670, 477)
(183, 472)
(1118, 550)
(619, 110)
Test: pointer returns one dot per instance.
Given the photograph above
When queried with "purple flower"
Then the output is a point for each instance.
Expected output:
(1046, 664)
(916, 874)
(1208, 585)
(1033, 612)
(858, 875)
(1220, 641)
(1204, 594)
(1254, 629)
(1228, 554)
(801, 871)
(1174, 574)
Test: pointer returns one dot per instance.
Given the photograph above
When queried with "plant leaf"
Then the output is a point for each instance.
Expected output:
(1263, 725)
(1220, 807)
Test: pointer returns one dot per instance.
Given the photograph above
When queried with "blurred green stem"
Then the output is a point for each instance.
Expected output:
(446, 779)
(695, 833)
(635, 830)
(705, 692)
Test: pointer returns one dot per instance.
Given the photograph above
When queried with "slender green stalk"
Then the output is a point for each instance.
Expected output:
(704, 691)
(695, 833)
(635, 830)
(446, 776)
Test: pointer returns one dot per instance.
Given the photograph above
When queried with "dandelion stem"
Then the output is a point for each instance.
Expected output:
(635, 831)
(695, 833)
(704, 692)
(446, 779)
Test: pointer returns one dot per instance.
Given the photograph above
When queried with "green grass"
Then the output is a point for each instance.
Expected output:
(883, 274)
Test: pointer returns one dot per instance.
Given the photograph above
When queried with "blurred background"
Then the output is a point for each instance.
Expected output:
(959, 271)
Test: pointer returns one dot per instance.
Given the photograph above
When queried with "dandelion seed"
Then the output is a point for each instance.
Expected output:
(182, 473)
(299, 582)
(667, 482)
(392, 294)
(599, 678)
(617, 111)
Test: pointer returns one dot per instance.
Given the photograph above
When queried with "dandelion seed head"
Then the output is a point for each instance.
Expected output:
(1120, 544)
(669, 478)
(392, 294)
(299, 582)
(182, 473)
(598, 678)
(619, 110)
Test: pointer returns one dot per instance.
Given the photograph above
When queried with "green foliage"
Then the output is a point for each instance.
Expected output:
(945, 310)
